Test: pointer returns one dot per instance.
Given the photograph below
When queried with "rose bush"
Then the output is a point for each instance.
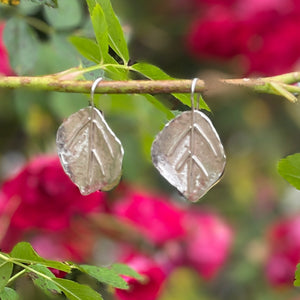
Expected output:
(42, 204)
(183, 237)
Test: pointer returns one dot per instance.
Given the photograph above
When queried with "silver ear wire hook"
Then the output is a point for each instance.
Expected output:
(193, 87)
(94, 85)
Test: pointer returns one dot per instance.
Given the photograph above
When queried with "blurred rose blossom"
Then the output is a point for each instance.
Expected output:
(5, 68)
(153, 214)
(284, 244)
(42, 204)
(263, 35)
(186, 236)
(208, 242)
(154, 275)
(45, 196)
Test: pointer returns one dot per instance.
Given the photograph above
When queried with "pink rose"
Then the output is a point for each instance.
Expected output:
(211, 35)
(46, 197)
(280, 270)
(207, 243)
(152, 285)
(257, 33)
(154, 215)
(186, 236)
(284, 244)
(5, 68)
(278, 45)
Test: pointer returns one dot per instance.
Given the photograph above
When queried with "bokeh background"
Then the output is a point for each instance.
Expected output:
(242, 240)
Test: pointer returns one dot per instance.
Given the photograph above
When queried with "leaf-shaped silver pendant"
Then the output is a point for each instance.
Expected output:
(189, 154)
(89, 151)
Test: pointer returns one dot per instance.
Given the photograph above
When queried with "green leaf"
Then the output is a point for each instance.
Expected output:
(76, 291)
(48, 286)
(28, 7)
(123, 269)
(289, 169)
(55, 55)
(87, 48)
(151, 71)
(23, 252)
(100, 28)
(297, 276)
(105, 275)
(51, 3)
(9, 294)
(66, 56)
(22, 45)
(169, 114)
(116, 73)
(115, 32)
(6, 268)
(154, 73)
(67, 16)
(202, 103)
(297, 282)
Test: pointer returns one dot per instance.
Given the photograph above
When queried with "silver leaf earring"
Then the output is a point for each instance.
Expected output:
(89, 151)
(188, 152)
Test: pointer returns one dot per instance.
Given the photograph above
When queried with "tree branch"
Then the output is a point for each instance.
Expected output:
(283, 85)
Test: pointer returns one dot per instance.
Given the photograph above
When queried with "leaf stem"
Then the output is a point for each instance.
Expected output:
(25, 269)
(39, 25)
(17, 275)
(104, 67)
(23, 264)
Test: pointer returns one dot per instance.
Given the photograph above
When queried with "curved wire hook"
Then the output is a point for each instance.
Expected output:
(94, 85)
(193, 87)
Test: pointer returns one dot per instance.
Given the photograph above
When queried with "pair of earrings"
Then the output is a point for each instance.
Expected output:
(187, 152)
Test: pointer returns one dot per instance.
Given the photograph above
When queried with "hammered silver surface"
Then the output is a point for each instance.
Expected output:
(189, 154)
(89, 151)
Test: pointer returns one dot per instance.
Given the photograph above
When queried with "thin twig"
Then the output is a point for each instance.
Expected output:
(59, 83)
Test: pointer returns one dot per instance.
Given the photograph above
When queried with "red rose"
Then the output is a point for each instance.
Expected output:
(284, 244)
(207, 243)
(212, 35)
(46, 197)
(151, 287)
(263, 34)
(278, 45)
(187, 237)
(154, 215)
(280, 270)
(5, 68)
